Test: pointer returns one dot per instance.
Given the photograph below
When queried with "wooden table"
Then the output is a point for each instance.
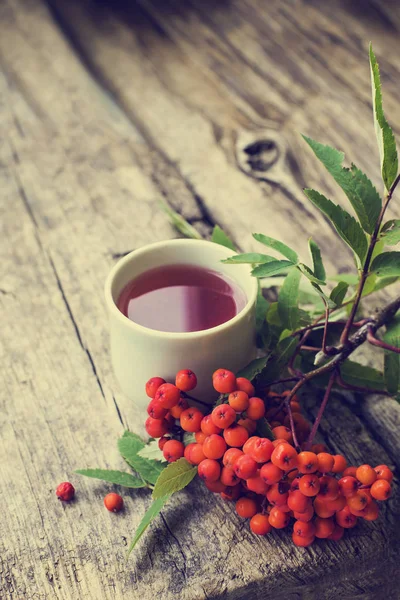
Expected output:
(104, 110)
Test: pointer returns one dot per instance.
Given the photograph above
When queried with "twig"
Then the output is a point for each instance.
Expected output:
(278, 381)
(292, 426)
(321, 410)
(376, 342)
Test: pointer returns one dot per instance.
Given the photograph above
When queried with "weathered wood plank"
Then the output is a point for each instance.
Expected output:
(163, 111)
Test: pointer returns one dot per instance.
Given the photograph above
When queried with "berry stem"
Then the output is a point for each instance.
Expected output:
(375, 342)
(321, 410)
(292, 426)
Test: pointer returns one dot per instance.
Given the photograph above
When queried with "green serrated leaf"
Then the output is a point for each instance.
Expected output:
(175, 477)
(391, 359)
(360, 375)
(387, 264)
(318, 266)
(272, 268)
(346, 226)
(281, 356)
(150, 514)
(129, 447)
(277, 245)
(390, 232)
(254, 368)
(288, 300)
(384, 282)
(152, 451)
(261, 309)
(273, 317)
(249, 258)
(310, 275)
(220, 237)
(358, 188)
(384, 134)
(339, 292)
(328, 301)
(116, 477)
(264, 430)
(180, 223)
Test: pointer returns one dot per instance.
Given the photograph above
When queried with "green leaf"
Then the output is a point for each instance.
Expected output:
(391, 359)
(318, 267)
(272, 268)
(282, 354)
(288, 300)
(346, 225)
(152, 451)
(384, 282)
(261, 309)
(151, 513)
(358, 188)
(339, 292)
(387, 264)
(129, 447)
(277, 245)
(248, 258)
(180, 223)
(384, 134)
(264, 430)
(117, 477)
(346, 277)
(175, 477)
(254, 368)
(359, 375)
(390, 232)
(273, 317)
(220, 237)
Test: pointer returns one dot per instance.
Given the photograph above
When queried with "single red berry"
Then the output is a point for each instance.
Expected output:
(113, 502)
(168, 395)
(236, 435)
(152, 386)
(156, 428)
(200, 437)
(214, 446)
(335, 505)
(372, 511)
(185, 380)
(328, 488)
(309, 485)
(245, 467)
(348, 486)
(295, 406)
(383, 472)
(209, 470)
(257, 485)
(350, 471)
(324, 527)
(231, 493)
(256, 408)
(238, 400)
(304, 530)
(208, 427)
(298, 502)
(178, 409)
(317, 448)
(231, 456)
(339, 463)
(162, 441)
(366, 475)
(303, 542)
(155, 409)
(246, 508)
(271, 474)
(224, 381)
(306, 516)
(173, 450)
(223, 415)
(194, 453)
(284, 456)
(345, 519)
(190, 419)
(278, 519)
(244, 385)
(325, 462)
(282, 432)
(248, 424)
(359, 501)
(278, 442)
(337, 533)
(307, 462)
(217, 487)
(229, 477)
(262, 450)
(322, 509)
(260, 525)
(65, 491)
(248, 447)
(277, 495)
(381, 489)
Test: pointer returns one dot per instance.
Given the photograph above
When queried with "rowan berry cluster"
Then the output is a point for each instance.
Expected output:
(270, 481)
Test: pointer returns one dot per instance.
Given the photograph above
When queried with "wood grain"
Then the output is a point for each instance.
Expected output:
(105, 108)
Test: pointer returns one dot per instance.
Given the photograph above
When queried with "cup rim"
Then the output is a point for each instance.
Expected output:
(184, 335)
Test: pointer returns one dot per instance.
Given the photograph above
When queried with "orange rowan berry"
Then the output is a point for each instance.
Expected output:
(246, 508)
(168, 395)
(339, 463)
(113, 502)
(177, 410)
(223, 416)
(277, 495)
(303, 529)
(214, 446)
(321, 509)
(298, 502)
(338, 504)
(348, 486)
(383, 472)
(244, 385)
(224, 381)
(216, 487)
(278, 519)
(185, 380)
(200, 437)
(209, 470)
(309, 485)
(329, 488)
(194, 453)
(231, 456)
(381, 489)
(245, 467)
(324, 527)
(248, 424)
(295, 482)
(302, 542)
(270, 473)
(337, 533)
(366, 475)
(325, 462)
(173, 450)
(257, 485)
(283, 433)
(155, 410)
(152, 386)
(208, 427)
(231, 493)
(318, 448)
(236, 435)
(306, 516)
(284, 456)
(229, 477)
(262, 450)
(190, 419)
(249, 445)
(156, 428)
(256, 408)
(345, 519)
(65, 491)
(238, 400)
(359, 501)
(372, 511)
(307, 462)
(350, 471)
(278, 442)
(260, 524)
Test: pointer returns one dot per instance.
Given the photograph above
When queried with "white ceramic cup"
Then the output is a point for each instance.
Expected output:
(139, 353)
